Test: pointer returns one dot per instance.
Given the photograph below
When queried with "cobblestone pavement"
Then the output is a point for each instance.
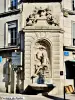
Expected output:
(7, 96)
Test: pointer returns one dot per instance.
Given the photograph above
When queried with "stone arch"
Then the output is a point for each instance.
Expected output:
(45, 46)
(45, 43)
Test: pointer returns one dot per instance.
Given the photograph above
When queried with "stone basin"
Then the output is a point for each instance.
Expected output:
(38, 88)
(42, 86)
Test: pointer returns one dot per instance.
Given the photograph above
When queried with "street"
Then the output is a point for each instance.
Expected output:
(7, 96)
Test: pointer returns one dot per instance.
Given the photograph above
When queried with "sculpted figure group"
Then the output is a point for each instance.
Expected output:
(41, 61)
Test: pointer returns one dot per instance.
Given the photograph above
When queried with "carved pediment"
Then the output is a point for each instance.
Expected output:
(40, 14)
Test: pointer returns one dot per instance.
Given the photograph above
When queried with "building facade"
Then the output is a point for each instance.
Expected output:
(69, 42)
(44, 33)
(10, 19)
(49, 33)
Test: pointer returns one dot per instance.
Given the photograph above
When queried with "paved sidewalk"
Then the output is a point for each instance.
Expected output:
(70, 96)
(7, 96)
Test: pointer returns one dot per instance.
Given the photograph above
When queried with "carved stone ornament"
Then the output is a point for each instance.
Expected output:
(42, 14)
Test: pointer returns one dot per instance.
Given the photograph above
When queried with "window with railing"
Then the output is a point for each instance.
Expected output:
(12, 33)
(14, 4)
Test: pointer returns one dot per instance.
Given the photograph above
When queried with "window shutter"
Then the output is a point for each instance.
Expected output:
(73, 33)
(74, 30)
(74, 4)
(18, 39)
(9, 36)
(5, 35)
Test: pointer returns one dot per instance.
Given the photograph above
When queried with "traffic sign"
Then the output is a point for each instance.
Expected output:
(0, 59)
(17, 58)
(66, 53)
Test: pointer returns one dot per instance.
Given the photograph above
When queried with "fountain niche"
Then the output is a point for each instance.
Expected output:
(41, 70)
(42, 65)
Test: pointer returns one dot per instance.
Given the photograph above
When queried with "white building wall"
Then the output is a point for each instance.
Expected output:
(67, 4)
(4, 5)
(3, 77)
(4, 29)
(68, 30)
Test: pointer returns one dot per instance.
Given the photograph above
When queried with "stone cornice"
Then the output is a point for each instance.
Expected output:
(43, 29)
(12, 12)
(70, 12)
(9, 48)
(38, 1)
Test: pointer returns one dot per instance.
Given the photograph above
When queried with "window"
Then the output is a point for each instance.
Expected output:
(73, 33)
(73, 4)
(12, 33)
(14, 4)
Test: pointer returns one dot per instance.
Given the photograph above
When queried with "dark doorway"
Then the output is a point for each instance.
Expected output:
(70, 70)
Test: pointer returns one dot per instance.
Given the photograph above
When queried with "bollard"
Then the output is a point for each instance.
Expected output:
(64, 92)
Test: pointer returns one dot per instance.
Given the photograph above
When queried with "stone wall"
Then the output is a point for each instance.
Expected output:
(43, 31)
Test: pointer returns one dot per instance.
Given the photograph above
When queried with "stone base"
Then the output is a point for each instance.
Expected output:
(2, 87)
(38, 88)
